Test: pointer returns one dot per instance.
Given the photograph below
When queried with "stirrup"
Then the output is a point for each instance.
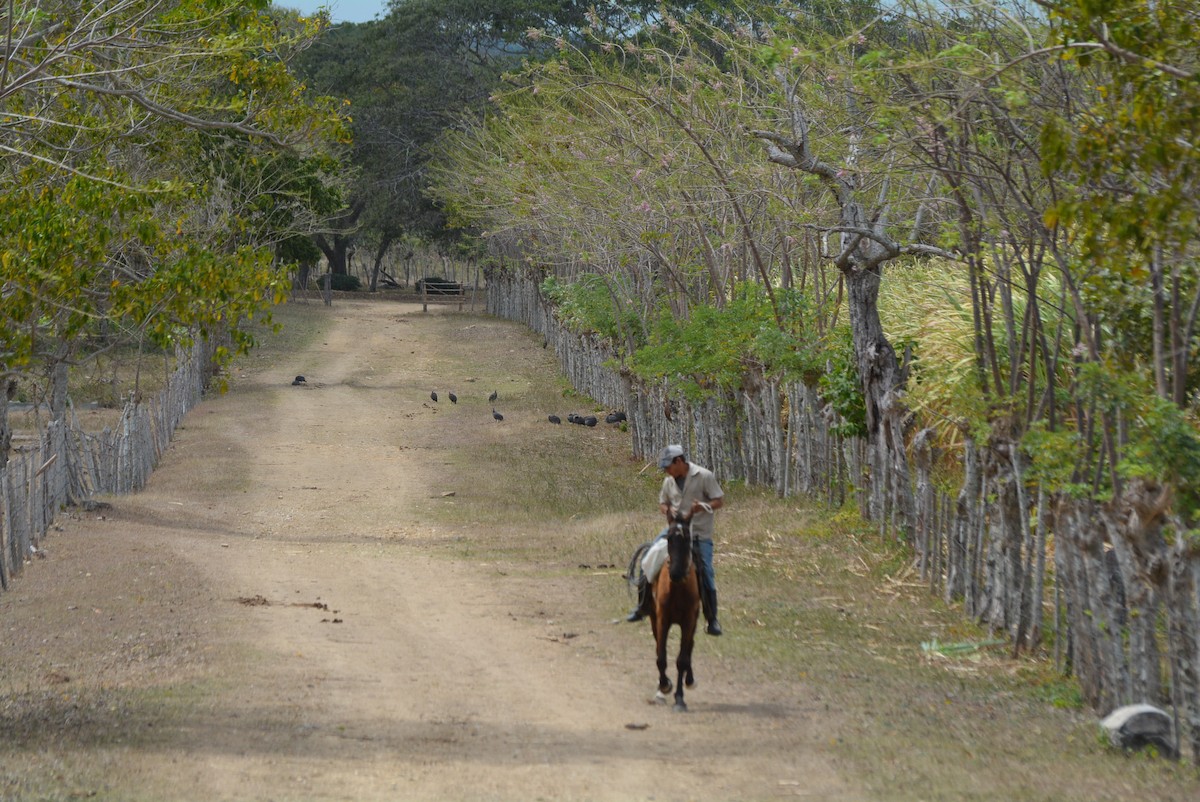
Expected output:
(713, 628)
(636, 615)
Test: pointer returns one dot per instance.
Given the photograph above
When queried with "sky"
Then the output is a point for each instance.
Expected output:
(340, 10)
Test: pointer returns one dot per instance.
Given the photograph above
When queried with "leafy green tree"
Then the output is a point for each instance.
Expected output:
(155, 154)
(408, 77)
(1131, 143)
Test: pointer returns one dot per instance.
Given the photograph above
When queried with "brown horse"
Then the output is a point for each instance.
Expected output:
(676, 601)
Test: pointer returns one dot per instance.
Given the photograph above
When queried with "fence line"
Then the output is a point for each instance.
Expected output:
(1121, 596)
(69, 466)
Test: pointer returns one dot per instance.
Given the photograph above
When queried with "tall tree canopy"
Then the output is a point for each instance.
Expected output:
(425, 68)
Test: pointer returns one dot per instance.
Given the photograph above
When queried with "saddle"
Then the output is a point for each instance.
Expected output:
(648, 559)
(653, 559)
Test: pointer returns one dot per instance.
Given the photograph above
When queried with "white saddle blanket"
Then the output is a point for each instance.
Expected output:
(653, 559)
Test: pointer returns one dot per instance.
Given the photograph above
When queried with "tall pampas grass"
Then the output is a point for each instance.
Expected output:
(926, 306)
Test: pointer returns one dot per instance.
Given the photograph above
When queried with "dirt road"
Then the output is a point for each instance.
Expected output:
(267, 621)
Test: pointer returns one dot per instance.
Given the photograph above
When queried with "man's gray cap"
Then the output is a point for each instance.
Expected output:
(668, 455)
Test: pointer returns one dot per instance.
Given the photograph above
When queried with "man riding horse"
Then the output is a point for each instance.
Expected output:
(692, 491)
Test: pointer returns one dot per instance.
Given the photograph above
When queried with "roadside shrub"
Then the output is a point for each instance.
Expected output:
(592, 303)
(345, 283)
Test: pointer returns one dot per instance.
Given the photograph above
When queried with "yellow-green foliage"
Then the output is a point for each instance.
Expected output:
(929, 306)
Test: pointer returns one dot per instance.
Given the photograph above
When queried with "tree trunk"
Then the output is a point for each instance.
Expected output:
(8, 389)
(882, 382)
(336, 252)
(58, 389)
(377, 265)
(302, 272)
(878, 368)
(1002, 565)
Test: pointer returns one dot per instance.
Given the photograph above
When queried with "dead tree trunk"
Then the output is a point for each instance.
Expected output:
(865, 247)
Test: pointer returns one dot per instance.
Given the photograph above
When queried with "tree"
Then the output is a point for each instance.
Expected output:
(408, 77)
(428, 68)
(1135, 289)
(126, 211)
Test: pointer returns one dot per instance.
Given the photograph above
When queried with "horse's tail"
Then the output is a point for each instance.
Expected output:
(634, 571)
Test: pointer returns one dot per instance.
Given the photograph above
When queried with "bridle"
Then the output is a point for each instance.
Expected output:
(680, 527)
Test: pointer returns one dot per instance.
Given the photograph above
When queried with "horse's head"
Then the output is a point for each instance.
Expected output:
(679, 548)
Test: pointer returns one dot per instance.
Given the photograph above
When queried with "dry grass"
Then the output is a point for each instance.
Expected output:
(815, 605)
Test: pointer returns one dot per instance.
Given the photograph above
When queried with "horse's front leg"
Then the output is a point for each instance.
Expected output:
(660, 639)
(683, 664)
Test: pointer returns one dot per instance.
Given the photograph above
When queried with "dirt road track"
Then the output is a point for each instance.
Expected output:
(309, 641)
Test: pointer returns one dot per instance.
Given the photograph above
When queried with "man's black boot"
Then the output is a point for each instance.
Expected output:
(709, 599)
(643, 605)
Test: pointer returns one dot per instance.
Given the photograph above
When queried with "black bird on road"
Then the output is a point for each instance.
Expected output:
(433, 395)
(453, 398)
(555, 419)
(299, 380)
(590, 420)
(492, 397)
(496, 414)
